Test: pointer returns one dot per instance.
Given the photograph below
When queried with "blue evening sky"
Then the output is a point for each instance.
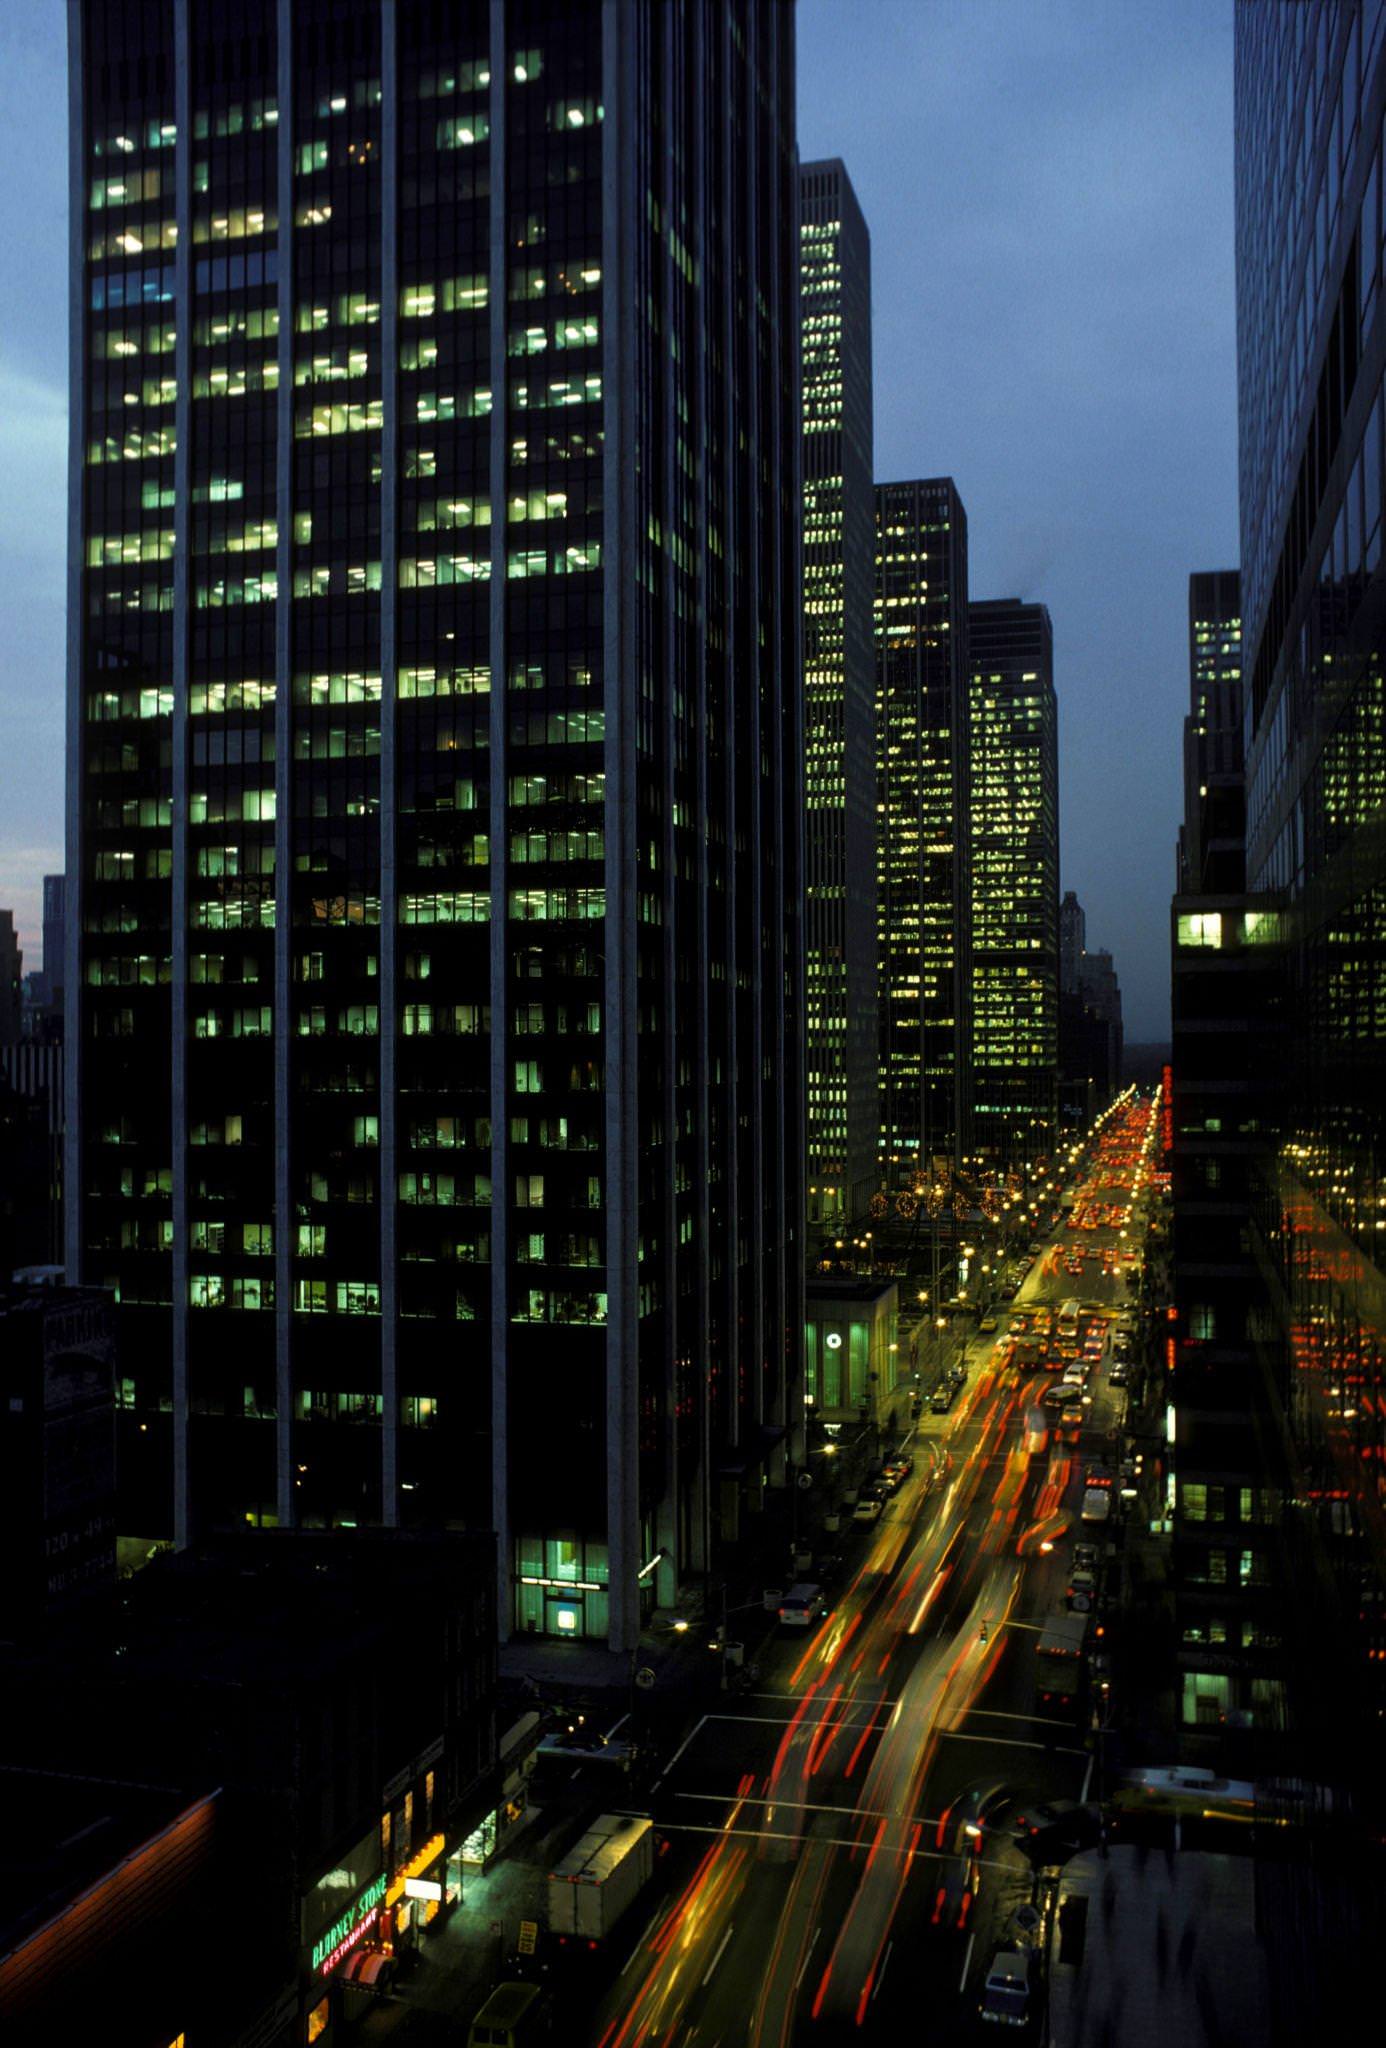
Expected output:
(1048, 185)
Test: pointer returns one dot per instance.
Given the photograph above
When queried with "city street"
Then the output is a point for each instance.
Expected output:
(824, 1885)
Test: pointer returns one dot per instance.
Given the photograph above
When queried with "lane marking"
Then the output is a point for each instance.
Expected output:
(1010, 1742)
(649, 1930)
(678, 1753)
(999, 1713)
(967, 1963)
(880, 1974)
(718, 1957)
(807, 1953)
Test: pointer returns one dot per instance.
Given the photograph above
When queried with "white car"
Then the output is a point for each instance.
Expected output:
(868, 1508)
(801, 1606)
(1186, 1789)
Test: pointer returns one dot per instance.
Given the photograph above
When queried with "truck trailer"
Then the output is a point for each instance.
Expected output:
(598, 1878)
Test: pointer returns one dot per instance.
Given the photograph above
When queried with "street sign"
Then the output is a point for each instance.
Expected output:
(529, 1937)
(645, 1678)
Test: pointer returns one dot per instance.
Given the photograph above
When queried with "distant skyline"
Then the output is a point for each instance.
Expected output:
(1049, 192)
(1048, 188)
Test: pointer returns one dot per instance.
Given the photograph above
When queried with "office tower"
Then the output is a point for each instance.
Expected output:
(1014, 834)
(1212, 840)
(1100, 994)
(1311, 352)
(1090, 1025)
(11, 981)
(436, 772)
(1229, 1652)
(1073, 941)
(923, 784)
(840, 1000)
(55, 935)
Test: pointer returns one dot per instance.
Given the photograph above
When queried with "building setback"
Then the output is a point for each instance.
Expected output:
(923, 786)
(435, 772)
(1311, 353)
(840, 1001)
(1014, 852)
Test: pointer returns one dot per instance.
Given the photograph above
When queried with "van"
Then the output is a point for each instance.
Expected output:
(801, 1606)
(512, 2017)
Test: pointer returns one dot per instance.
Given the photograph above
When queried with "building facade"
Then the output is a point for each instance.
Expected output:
(1073, 941)
(841, 1011)
(1227, 1487)
(1310, 97)
(1212, 837)
(434, 953)
(924, 902)
(1013, 830)
(11, 981)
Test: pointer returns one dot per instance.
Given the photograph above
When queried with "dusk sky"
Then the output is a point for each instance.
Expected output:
(1048, 186)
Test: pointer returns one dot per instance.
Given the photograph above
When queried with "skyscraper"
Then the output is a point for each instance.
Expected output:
(842, 1021)
(55, 936)
(1226, 1480)
(11, 980)
(1073, 941)
(923, 785)
(1311, 357)
(435, 771)
(1212, 842)
(1014, 854)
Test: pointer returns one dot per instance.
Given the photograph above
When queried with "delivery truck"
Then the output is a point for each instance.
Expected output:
(598, 1878)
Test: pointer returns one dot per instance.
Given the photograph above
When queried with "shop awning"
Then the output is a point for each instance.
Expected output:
(368, 1966)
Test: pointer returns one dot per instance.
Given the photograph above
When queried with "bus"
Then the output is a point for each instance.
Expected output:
(1067, 1325)
(1060, 1660)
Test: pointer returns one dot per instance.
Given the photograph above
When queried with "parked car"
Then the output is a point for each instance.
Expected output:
(868, 1508)
(988, 1321)
(1082, 1590)
(1085, 1557)
(944, 1397)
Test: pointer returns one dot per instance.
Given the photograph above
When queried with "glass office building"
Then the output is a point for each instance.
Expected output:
(434, 771)
(1311, 321)
(922, 795)
(1014, 860)
(839, 695)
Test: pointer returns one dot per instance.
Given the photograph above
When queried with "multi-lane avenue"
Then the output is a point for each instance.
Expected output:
(843, 1834)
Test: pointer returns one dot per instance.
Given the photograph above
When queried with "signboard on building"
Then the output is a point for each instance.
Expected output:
(344, 1933)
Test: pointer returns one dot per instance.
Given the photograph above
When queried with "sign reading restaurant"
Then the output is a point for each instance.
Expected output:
(345, 1932)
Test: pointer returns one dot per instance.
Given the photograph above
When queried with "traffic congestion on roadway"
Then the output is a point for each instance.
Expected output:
(844, 1834)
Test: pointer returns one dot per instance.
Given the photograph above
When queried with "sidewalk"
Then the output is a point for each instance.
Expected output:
(1172, 1959)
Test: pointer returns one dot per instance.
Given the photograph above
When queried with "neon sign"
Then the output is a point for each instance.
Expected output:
(346, 1932)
